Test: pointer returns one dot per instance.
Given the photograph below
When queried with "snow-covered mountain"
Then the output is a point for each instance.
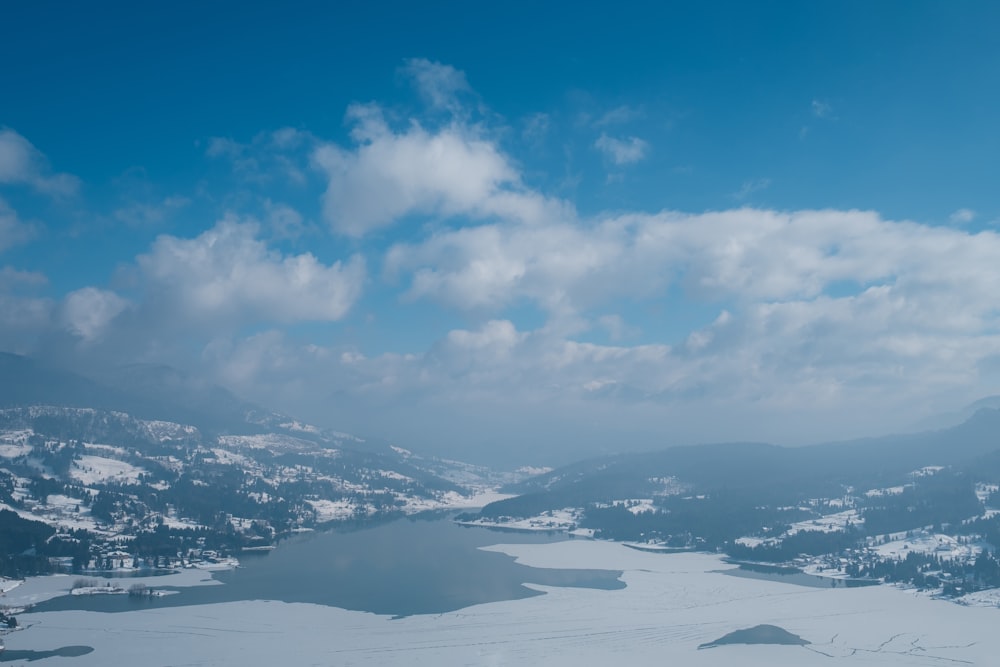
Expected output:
(161, 454)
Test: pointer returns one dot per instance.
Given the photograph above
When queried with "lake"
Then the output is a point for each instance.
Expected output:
(672, 605)
(408, 566)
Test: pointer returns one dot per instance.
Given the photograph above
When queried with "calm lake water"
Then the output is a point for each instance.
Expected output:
(408, 566)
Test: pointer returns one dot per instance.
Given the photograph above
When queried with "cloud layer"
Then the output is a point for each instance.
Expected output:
(545, 324)
(226, 276)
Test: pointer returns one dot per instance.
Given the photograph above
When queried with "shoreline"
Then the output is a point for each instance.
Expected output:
(671, 604)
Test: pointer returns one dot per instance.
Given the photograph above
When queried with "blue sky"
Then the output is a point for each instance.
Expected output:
(484, 228)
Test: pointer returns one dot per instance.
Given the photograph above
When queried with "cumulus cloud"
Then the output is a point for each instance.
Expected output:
(751, 254)
(11, 278)
(962, 216)
(559, 265)
(23, 164)
(88, 312)
(616, 327)
(439, 85)
(13, 230)
(390, 175)
(284, 221)
(622, 151)
(818, 314)
(227, 274)
(807, 314)
(618, 116)
(817, 308)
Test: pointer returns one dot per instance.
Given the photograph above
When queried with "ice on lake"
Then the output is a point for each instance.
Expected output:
(672, 604)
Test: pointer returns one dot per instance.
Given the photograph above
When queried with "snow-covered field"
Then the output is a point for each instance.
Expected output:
(335, 510)
(671, 605)
(828, 523)
(945, 546)
(552, 520)
(90, 469)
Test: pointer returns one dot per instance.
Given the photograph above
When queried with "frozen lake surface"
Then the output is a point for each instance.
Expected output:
(671, 604)
(404, 567)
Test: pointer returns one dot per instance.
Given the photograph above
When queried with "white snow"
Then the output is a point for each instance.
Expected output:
(171, 520)
(216, 565)
(481, 498)
(163, 430)
(890, 491)
(336, 510)
(272, 441)
(828, 523)
(987, 598)
(671, 605)
(11, 450)
(752, 541)
(98, 469)
(636, 505)
(24, 514)
(984, 491)
(392, 474)
(38, 589)
(226, 457)
(553, 520)
(299, 426)
(945, 546)
(64, 512)
(532, 471)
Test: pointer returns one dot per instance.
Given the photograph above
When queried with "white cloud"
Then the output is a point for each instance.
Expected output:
(962, 216)
(618, 116)
(89, 311)
(821, 313)
(622, 151)
(23, 164)
(13, 230)
(750, 187)
(226, 274)
(821, 109)
(390, 175)
(821, 309)
(284, 221)
(806, 315)
(11, 278)
(559, 265)
(439, 85)
(616, 327)
(224, 147)
(279, 155)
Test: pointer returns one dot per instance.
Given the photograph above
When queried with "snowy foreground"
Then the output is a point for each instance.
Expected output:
(671, 605)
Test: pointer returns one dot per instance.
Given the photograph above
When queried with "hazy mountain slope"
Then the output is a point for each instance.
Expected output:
(144, 391)
(760, 472)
